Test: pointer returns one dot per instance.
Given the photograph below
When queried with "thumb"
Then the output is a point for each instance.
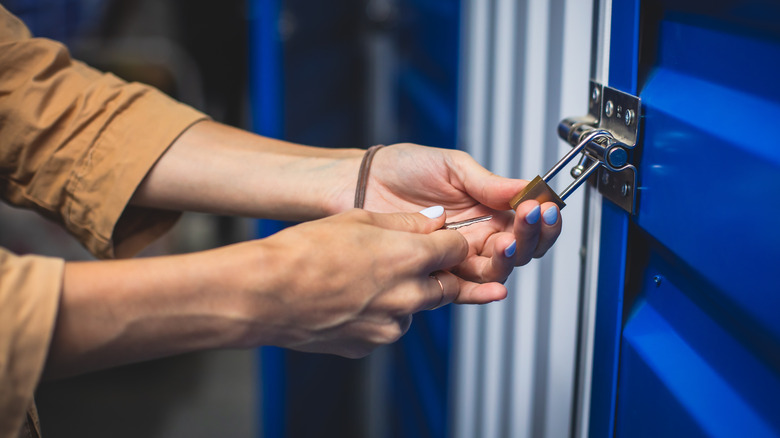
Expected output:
(488, 188)
(496, 192)
(424, 222)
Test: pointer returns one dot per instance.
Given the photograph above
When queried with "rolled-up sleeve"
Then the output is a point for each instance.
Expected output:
(75, 144)
(29, 294)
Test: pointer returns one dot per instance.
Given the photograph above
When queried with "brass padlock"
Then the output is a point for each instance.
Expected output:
(539, 189)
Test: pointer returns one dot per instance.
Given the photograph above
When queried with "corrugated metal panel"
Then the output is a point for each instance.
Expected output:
(526, 66)
(700, 335)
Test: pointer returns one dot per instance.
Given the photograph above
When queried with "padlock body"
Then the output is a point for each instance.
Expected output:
(539, 190)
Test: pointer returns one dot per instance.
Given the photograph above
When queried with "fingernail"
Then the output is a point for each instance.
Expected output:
(533, 216)
(433, 212)
(510, 250)
(551, 216)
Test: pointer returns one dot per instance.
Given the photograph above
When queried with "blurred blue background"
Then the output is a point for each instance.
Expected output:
(342, 73)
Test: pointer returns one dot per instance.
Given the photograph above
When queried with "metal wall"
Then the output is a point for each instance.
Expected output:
(526, 65)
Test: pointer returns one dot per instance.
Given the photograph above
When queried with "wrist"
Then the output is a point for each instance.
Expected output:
(340, 196)
(251, 294)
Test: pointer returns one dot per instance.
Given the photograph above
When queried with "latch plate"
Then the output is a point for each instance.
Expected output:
(619, 114)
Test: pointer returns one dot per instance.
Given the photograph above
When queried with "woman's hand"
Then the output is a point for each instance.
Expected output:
(406, 177)
(351, 282)
(342, 285)
(286, 181)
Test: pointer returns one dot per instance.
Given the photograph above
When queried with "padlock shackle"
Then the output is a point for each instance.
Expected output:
(580, 179)
(590, 136)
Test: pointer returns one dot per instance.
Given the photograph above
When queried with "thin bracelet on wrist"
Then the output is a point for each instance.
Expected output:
(365, 166)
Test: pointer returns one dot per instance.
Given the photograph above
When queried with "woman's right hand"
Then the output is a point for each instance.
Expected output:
(342, 285)
(348, 283)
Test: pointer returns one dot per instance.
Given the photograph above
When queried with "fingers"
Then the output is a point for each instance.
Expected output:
(500, 265)
(484, 186)
(480, 293)
(433, 248)
(409, 258)
(372, 274)
(493, 263)
(536, 228)
(441, 290)
(423, 222)
(427, 292)
(445, 288)
(527, 229)
(552, 222)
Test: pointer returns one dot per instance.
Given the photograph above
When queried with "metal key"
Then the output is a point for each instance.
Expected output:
(466, 223)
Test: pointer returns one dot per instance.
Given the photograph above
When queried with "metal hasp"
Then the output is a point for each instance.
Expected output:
(606, 136)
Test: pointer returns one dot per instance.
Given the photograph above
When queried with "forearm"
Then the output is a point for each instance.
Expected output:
(118, 312)
(219, 169)
(295, 289)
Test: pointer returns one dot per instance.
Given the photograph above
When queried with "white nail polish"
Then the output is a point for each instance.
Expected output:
(433, 212)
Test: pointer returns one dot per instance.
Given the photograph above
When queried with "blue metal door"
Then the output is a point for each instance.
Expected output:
(687, 337)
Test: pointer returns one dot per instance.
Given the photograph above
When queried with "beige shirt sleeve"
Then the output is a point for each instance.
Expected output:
(74, 145)
(29, 292)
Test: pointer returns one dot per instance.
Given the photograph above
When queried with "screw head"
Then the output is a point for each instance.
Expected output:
(595, 95)
(629, 118)
(657, 280)
(609, 109)
(577, 170)
(625, 190)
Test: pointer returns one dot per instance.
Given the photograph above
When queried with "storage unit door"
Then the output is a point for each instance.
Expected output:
(688, 317)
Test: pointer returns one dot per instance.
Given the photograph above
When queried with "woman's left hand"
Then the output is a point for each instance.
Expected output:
(408, 177)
